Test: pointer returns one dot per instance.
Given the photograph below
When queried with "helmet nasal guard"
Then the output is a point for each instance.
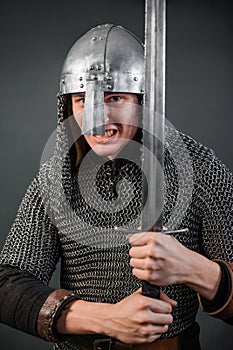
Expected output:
(108, 58)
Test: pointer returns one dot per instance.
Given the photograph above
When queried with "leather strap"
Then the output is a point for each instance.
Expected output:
(226, 311)
(111, 344)
(50, 312)
(163, 344)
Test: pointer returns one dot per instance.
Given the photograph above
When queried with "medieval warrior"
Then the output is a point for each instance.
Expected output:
(86, 201)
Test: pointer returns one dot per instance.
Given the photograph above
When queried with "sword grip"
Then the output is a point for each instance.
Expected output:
(150, 290)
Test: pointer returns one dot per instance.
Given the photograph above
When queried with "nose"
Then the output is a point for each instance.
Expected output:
(107, 114)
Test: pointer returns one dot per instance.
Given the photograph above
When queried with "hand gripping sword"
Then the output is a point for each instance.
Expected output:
(153, 123)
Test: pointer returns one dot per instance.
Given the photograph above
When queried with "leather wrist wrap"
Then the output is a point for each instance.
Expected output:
(51, 311)
(225, 312)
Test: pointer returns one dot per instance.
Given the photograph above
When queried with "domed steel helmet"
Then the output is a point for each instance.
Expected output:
(108, 58)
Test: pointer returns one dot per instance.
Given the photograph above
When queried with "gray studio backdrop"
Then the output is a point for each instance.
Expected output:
(35, 37)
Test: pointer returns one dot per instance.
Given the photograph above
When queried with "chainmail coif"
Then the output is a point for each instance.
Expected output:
(71, 213)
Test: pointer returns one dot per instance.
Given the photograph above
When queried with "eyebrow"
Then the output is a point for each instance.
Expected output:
(81, 94)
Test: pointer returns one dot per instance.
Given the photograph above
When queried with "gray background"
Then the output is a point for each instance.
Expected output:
(35, 37)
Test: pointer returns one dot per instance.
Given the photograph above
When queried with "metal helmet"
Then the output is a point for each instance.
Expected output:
(108, 58)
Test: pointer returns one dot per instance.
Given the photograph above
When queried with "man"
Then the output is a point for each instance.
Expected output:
(91, 185)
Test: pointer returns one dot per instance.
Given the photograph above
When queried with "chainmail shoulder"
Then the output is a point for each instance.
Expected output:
(32, 243)
(212, 201)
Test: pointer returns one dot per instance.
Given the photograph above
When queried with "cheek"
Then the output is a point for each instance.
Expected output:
(89, 140)
(126, 115)
(78, 115)
(132, 114)
(132, 131)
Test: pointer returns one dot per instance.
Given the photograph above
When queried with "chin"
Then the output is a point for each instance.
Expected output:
(105, 153)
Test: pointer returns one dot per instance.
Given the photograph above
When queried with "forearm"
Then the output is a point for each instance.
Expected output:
(213, 281)
(21, 297)
(222, 305)
(83, 317)
(28, 304)
(135, 319)
(202, 275)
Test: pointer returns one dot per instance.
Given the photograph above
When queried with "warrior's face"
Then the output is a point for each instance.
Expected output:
(121, 122)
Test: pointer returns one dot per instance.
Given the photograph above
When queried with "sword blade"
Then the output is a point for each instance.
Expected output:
(154, 119)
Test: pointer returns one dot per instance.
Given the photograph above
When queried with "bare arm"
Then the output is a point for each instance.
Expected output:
(135, 319)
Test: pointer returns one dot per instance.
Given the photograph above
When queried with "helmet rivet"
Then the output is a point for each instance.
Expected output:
(92, 68)
(81, 86)
(101, 38)
(109, 86)
(80, 78)
(109, 78)
(135, 78)
(99, 67)
(94, 38)
(63, 81)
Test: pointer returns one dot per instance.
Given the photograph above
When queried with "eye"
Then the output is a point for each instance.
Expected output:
(80, 100)
(115, 98)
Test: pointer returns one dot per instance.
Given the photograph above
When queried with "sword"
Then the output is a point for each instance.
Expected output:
(153, 123)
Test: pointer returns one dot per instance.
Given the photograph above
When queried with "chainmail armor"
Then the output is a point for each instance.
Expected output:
(72, 215)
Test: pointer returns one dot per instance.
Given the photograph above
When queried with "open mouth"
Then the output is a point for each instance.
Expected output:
(108, 134)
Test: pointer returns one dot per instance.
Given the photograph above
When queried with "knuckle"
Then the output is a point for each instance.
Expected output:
(148, 263)
(158, 239)
(148, 275)
(154, 236)
(145, 332)
(151, 251)
(144, 303)
(151, 277)
(142, 320)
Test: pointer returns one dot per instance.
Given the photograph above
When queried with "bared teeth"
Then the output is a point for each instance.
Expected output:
(108, 133)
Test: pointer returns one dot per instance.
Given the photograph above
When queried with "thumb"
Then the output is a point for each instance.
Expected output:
(139, 291)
